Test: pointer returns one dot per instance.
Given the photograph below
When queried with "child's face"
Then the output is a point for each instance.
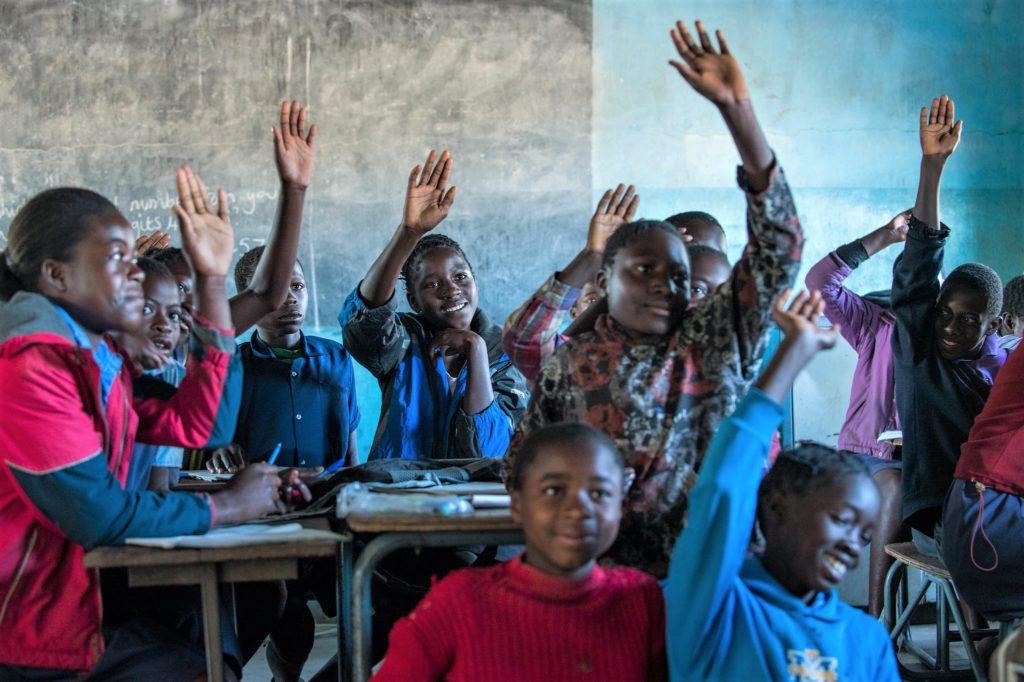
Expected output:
(183, 275)
(707, 274)
(961, 323)
(648, 283)
(569, 504)
(161, 312)
(444, 290)
(289, 317)
(588, 296)
(101, 285)
(812, 541)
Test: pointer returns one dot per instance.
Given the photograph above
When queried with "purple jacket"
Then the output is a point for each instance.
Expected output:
(868, 328)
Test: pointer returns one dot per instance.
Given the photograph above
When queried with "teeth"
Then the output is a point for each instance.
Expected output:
(837, 566)
(454, 308)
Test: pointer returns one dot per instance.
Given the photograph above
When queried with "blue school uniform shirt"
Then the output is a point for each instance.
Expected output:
(727, 617)
(308, 404)
(144, 455)
(107, 360)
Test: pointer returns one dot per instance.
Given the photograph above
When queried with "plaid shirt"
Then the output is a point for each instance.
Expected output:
(531, 335)
(661, 399)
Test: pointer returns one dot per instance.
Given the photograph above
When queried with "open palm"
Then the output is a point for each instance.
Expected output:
(293, 146)
(714, 74)
(940, 131)
(206, 234)
(613, 211)
(427, 197)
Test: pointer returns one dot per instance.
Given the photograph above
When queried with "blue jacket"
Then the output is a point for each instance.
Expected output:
(420, 418)
(727, 618)
(307, 405)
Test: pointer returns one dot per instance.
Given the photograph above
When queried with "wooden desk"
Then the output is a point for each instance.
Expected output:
(207, 568)
(483, 527)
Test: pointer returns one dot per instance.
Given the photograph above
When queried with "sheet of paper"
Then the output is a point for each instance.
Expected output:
(237, 536)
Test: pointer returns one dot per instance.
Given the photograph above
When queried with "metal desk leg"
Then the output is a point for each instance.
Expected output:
(211, 623)
(344, 596)
(374, 552)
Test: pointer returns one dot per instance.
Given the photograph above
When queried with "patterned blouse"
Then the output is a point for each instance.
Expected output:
(661, 399)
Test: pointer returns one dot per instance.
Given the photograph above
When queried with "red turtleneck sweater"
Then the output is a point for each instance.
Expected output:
(513, 622)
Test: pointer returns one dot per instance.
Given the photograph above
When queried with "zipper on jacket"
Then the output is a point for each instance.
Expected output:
(18, 573)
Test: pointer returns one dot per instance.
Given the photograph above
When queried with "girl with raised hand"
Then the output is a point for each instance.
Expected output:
(448, 388)
(775, 616)
(68, 279)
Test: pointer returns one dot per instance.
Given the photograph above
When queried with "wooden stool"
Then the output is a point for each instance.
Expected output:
(934, 573)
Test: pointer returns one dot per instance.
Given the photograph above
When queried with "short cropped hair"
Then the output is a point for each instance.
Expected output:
(429, 243)
(630, 233)
(1013, 297)
(245, 268)
(169, 256)
(979, 279)
(705, 251)
(154, 268)
(527, 450)
(810, 466)
(688, 219)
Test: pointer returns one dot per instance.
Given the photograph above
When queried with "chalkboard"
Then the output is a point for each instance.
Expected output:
(115, 94)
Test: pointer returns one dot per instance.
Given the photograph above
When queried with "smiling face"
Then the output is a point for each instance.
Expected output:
(101, 286)
(962, 323)
(813, 540)
(443, 289)
(161, 312)
(569, 503)
(185, 278)
(281, 327)
(648, 283)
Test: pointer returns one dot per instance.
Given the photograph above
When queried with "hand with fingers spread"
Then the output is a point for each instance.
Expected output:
(940, 131)
(715, 74)
(428, 197)
(205, 233)
(152, 242)
(799, 321)
(613, 210)
(293, 146)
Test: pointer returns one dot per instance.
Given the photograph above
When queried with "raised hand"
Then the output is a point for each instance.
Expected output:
(895, 231)
(152, 242)
(426, 200)
(613, 211)
(714, 74)
(799, 321)
(206, 235)
(293, 146)
(940, 131)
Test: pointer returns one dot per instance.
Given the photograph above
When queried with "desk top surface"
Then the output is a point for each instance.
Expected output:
(128, 556)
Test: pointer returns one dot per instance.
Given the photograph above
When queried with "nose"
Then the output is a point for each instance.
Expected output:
(291, 298)
(161, 324)
(660, 284)
(449, 289)
(852, 543)
(135, 272)
(580, 504)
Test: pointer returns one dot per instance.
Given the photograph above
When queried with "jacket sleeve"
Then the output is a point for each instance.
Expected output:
(375, 337)
(421, 646)
(723, 505)
(769, 264)
(487, 434)
(52, 452)
(856, 316)
(531, 333)
(915, 286)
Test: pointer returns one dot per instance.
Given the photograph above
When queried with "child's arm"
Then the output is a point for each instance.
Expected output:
(293, 154)
(204, 409)
(915, 282)
(488, 433)
(843, 307)
(775, 239)
(531, 332)
(707, 558)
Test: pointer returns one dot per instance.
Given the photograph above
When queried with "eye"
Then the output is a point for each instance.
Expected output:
(430, 285)
(837, 518)
(118, 255)
(642, 268)
(184, 288)
(698, 291)
(174, 317)
(600, 494)
(461, 277)
(148, 309)
(552, 491)
(298, 286)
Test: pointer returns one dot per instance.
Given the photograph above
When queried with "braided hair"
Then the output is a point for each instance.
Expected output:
(810, 466)
(429, 243)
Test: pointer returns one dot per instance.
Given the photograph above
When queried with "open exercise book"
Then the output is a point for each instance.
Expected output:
(238, 536)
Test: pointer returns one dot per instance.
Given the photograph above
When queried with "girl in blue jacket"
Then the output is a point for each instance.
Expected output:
(775, 616)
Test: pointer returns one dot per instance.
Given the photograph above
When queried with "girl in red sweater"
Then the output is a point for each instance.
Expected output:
(551, 614)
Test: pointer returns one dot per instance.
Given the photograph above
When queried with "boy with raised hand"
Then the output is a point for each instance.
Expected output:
(776, 616)
(656, 375)
(946, 349)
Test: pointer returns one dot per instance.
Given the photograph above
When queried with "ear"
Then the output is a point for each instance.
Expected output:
(771, 511)
(514, 507)
(412, 301)
(1006, 324)
(993, 325)
(53, 276)
(628, 477)
(601, 281)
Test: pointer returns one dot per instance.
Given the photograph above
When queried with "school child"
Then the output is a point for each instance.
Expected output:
(155, 466)
(868, 327)
(945, 346)
(654, 375)
(702, 228)
(1012, 323)
(68, 278)
(448, 388)
(983, 516)
(552, 613)
(775, 616)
